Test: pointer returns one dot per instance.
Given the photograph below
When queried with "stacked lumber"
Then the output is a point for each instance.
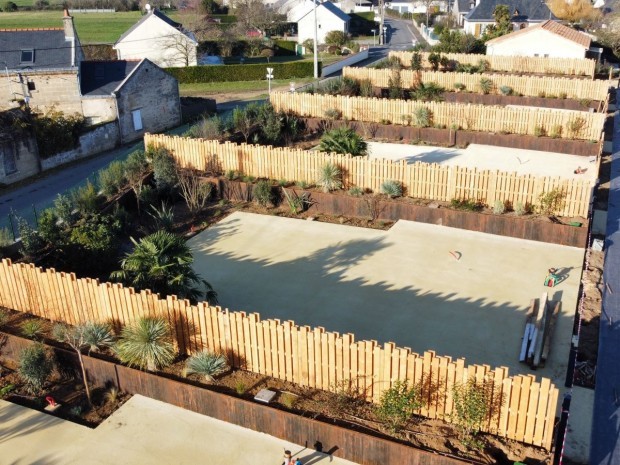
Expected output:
(539, 326)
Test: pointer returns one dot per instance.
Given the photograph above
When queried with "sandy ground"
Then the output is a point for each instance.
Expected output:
(489, 157)
(401, 285)
(142, 432)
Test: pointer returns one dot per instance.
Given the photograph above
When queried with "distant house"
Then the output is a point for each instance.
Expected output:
(41, 67)
(159, 39)
(524, 13)
(460, 9)
(548, 39)
(329, 18)
(145, 97)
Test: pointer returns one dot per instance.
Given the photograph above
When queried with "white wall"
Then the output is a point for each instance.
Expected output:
(537, 42)
(160, 43)
(326, 22)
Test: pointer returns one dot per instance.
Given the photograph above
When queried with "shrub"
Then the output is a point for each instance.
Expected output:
(212, 128)
(499, 207)
(356, 191)
(329, 177)
(520, 209)
(345, 141)
(486, 85)
(262, 193)
(267, 53)
(366, 88)
(146, 344)
(6, 237)
(483, 66)
(333, 114)
(416, 61)
(163, 217)
(164, 168)
(35, 367)
(285, 47)
(556, 131)
(550, 203)
(195, 191)
(56, 132)
(471, 407)
(505, 90)
(308, 44)
(247, 72)
(398, 404)
(395, 86)
(32, 329)
(466, 204)
(9, 7)
(563, 95)
(206, 364)
(540, 131)
(288, 400)
(86, 199)
(31, 239)
(338, 38)
(575, 126)
(112, 179)
(459, 86)
(4, 317)
(392, 189)
(429, 92)
(93, 243)
(422, 117)
(349, 87)
(434, 59)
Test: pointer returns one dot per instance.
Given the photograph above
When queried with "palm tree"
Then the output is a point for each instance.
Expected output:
(163, 262)
(344, 140)
(146, 344)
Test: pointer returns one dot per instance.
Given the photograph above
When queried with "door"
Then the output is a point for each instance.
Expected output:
(137, 120)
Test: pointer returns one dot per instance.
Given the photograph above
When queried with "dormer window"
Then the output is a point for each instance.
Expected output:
(516, 13)
(27, 56)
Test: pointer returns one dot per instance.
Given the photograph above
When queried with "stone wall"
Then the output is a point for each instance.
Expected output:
(59, 90)
(97, 140)
(99, 109)
(20, 156)
(155, 94)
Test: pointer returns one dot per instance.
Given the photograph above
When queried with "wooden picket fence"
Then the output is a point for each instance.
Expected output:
(523, 408)
(529, 86)
(420, 180)
(487, 118)
(512, 64)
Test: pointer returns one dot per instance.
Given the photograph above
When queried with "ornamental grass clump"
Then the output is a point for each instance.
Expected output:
(329, 177)
(35, 367)
(146, 344)
(207, 364)
(392, 189)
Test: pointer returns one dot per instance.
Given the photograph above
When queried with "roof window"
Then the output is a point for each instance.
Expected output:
(27, 56)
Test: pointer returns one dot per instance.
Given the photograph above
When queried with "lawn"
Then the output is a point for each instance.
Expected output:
(206, 88)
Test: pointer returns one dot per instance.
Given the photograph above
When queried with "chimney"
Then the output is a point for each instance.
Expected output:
(67, 21)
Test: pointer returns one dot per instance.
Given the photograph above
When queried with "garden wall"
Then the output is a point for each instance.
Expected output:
(420, 180)
(394, 210)
(461, 138)
(497, 119)
(513, 64)
(310, 357)
(351, 445)
(531, 86)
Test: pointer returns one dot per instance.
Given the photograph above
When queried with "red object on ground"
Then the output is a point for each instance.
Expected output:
(50, 400)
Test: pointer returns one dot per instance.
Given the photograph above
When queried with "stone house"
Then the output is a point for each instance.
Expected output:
(140, 94)
(524, 13)
(160, 39)
(548, 39)
(18, 148)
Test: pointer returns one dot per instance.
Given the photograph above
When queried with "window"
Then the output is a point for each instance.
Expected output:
(137, 120)
(27, 56)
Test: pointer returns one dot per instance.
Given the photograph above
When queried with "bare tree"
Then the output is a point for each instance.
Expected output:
(254, 14)
(610, 36)
(574, 11)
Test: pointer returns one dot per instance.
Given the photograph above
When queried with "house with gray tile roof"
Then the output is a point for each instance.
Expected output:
(523, 12)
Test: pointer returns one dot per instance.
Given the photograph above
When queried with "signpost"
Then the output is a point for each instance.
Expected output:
(269, 77)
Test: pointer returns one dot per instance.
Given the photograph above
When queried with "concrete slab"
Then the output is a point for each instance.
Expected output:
(402, 285)
(489, 157)
(577, 442)
(146, 431)
(29, 437)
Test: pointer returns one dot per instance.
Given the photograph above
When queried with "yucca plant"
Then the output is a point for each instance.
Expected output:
(146, 344)
(164, 216)
(486, 85)
(344, 140)
(330, 177)
(505, 90)
(207, 364)
(35, 367)
(32, 329)
(91, 336)
(392, 189)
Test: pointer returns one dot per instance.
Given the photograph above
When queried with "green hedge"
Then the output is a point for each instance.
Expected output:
(285, 47)
(223, 73)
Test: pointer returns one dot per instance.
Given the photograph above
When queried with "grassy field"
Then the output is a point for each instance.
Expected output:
(92, 28)
(209, 88)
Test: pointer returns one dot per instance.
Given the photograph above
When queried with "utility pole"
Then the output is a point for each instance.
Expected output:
(316, 43)
(382, 16)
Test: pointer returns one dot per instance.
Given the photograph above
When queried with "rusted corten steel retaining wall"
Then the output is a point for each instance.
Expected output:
(351, 445)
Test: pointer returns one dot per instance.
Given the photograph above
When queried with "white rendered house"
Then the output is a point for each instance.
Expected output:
(329, 18)
(159, 39)
(548, 39)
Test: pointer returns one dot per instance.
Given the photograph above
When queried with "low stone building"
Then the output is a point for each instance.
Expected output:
(18, 148)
